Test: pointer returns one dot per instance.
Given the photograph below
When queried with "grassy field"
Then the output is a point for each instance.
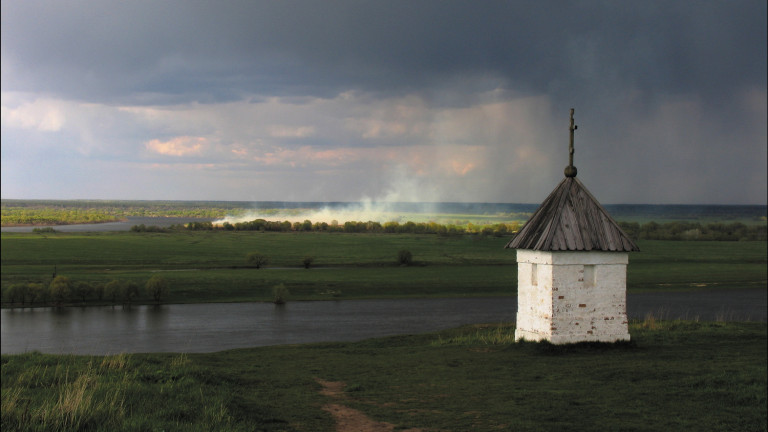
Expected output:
(672, 376)
(209, 266)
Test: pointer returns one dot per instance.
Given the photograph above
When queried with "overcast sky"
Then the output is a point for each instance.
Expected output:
(384, 100)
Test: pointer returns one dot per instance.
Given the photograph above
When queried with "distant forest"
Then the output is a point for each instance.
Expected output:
(66, 212)
(652, 222)
(735, 231)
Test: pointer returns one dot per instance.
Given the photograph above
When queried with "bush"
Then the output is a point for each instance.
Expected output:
(200, 226)
(280, 294)
(256, 259)
(82, 290)
(36, 292)
(113, 290)
(404, 257)
(157, 288)
(43, 230)
(60, 289)
(16, 293)
(150, 229)
(130, 291)
(308, 261)
(98, 291)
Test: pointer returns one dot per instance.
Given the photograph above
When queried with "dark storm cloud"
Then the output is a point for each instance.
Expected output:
(471, 97)
(211, 51)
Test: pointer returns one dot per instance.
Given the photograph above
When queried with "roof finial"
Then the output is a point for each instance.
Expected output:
(570, 170)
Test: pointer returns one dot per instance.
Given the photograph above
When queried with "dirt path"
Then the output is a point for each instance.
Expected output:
(349, 419)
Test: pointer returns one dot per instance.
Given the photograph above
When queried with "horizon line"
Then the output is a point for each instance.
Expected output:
(3, 199)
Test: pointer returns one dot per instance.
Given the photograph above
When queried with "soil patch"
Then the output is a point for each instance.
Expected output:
(349, 419)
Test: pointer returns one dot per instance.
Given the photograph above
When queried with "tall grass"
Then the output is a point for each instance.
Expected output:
(675, 375)
(485, 334)
(109, 393)
(83, 399)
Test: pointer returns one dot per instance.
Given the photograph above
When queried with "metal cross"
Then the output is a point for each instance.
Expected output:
(570, 170)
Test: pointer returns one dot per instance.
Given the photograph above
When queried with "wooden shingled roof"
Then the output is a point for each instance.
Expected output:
(571, 219)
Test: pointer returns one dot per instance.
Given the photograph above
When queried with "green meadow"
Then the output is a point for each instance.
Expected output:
(673, 375)
(210, 266)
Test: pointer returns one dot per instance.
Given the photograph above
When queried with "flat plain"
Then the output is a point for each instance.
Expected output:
(210, 266)
(673, 375)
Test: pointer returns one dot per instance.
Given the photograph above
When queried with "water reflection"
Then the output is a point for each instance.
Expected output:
(221, 326)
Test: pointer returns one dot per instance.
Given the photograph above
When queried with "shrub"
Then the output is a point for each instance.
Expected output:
(113, 290)
(404, 257)
(36, 292)
(83, 290)
(157, 287)
(256, 259)
(130, 291)
(43, 230)
(60, 289)
(150, 229)
(280, 294)
(16, 293)
(98, 291)
(308, 261)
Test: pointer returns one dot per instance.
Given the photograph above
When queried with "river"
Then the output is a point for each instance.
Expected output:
(221, 326)
(125, 225)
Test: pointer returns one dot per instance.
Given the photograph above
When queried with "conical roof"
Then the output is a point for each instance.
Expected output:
(571, 219)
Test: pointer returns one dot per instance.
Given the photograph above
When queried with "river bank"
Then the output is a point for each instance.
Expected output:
(673, 375)
(120, 225)
(211, 267)
(221, 326)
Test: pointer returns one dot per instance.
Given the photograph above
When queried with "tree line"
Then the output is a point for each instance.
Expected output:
(53, 216)
(717, 231)
(62, 290)
(67, 213)
(498, 229)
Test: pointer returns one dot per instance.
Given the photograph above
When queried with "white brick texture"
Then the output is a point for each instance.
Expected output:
(569, 297)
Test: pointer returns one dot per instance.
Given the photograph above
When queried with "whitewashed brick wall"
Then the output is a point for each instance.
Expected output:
(568, 297)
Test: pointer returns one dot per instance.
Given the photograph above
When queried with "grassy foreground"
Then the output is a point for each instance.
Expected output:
(211, 267)
(672, 376)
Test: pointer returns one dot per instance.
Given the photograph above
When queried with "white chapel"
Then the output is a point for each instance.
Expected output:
(572, 268)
